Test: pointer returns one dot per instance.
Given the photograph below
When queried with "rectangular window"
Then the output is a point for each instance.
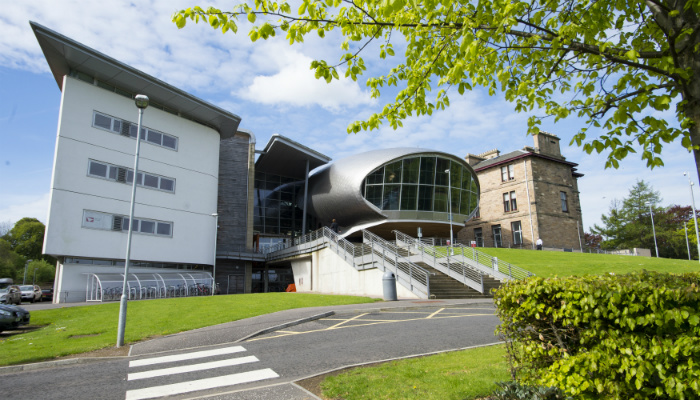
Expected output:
(517, 232)
(150, 181)
(508, 173)
(121, 174)
(126, 128)
(155, 137)
(509, 202)
(564, 204)
(111, 222)
(97, 169)
(167, 184)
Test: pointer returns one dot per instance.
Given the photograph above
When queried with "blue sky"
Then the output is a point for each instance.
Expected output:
(269, 84)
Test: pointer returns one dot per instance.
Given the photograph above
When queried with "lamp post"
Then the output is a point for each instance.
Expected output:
(695, 218)
(216, 233)
(653, 229)
(26, 265)
(449, 205)
(687, 243)
(141, 103)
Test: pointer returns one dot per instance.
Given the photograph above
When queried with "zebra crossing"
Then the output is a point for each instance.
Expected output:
(185, 372)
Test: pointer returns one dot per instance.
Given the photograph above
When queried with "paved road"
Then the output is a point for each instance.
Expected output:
(237, 361)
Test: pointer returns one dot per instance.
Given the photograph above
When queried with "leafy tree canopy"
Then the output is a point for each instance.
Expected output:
(26, 238)
(616, 64)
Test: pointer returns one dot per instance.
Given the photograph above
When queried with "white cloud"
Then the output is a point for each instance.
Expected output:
(19, 206)
(294, 83)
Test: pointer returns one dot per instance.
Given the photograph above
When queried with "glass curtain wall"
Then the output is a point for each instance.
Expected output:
(276, 211)
(421, 184)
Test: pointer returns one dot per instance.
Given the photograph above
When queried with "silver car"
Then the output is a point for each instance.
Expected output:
(10, 295)
(30, 293)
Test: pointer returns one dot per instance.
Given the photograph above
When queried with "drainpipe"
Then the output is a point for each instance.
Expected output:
(529, 205)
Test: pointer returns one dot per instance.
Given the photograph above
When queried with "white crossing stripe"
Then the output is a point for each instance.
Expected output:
(191, 368)
(202, 384)
(186, 356)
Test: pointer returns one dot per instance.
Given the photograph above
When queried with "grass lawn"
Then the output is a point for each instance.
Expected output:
(466, 374)
(551, 263)
(558, 263)
(73, 330)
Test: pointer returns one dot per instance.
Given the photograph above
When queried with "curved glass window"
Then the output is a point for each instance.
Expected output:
(421, 184)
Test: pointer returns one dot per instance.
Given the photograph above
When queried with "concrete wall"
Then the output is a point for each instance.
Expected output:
(194, 166)
(326, 272)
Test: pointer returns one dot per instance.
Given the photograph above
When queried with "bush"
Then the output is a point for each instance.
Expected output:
(517, 391)
(632, 336)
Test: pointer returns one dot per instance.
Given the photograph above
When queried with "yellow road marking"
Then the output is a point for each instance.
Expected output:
(348, 320)
(338, 326)
(434, 314)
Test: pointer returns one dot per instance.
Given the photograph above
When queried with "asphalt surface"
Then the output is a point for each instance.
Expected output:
(287, 346)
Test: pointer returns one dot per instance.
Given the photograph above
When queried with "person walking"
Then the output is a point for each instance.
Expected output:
(334, 226)
(539, 244)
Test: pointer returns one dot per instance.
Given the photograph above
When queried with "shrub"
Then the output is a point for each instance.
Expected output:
(517, 391)
(631, 336)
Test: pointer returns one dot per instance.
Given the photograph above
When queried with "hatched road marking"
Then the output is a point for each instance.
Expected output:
(358, 321)
(186, 356)
(179, 372)
(191, 368)
(201, 384)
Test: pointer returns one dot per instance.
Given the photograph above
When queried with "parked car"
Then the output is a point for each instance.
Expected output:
(30, 293)
(11, 295)
(47, 294)
(12, 317)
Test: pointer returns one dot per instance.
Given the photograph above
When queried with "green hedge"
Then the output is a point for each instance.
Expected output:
(632, 336)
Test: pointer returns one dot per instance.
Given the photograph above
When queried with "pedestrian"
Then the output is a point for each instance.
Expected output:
(334, 226)
(539, 244)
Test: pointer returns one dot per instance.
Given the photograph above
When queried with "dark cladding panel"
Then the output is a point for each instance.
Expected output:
(233, 184)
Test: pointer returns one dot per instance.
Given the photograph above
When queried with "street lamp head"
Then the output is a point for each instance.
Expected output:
(141, 101)
(447, 171)
(215, 215)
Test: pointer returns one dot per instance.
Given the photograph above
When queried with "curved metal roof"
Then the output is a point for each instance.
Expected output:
(335, 190)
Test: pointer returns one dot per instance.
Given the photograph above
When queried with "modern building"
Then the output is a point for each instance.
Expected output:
(525, 195)
(206, 210)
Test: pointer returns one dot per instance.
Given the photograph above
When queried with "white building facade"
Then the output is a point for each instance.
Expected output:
(174, 225)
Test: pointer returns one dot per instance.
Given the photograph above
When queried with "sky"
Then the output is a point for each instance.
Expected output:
(270, 86)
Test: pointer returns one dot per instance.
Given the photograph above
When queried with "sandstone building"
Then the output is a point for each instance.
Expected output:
(526, 194)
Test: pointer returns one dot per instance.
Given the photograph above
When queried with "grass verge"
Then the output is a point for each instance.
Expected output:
(465, 374)
(73, 330)
(558, 263)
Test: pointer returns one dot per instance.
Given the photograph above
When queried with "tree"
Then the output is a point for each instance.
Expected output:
(628, 224)
(10, 262)
(592, 241)
(26, 238)
(616, 64)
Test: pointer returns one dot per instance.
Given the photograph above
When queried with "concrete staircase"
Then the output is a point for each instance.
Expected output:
(444, 287)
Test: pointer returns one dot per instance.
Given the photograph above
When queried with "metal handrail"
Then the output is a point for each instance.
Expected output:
(450, 266)
(482, 261)
(412, 276)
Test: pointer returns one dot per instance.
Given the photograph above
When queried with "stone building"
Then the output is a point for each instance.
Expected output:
(526, 194)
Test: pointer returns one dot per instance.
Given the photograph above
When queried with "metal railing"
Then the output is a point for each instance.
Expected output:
(375, 253)
(386, 256)
(471, 256)
(455, 268)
